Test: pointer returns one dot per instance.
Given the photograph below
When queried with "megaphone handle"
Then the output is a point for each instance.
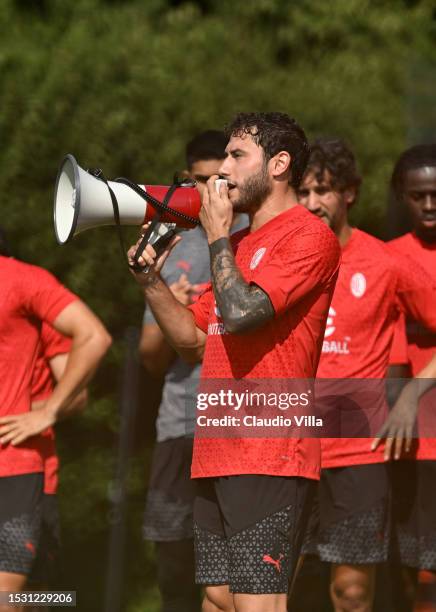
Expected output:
(136, 267)
(159, 245)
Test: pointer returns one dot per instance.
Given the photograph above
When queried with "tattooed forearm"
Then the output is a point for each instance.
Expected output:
(242, 306)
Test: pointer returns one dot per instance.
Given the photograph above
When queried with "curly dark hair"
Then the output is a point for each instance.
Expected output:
(334, 156)
(418, 156)
(274, 132)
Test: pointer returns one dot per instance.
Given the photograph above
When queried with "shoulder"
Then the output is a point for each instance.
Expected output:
(306, 230)
(370, 255)
(25, 275)
(369, 246)
(400, 244)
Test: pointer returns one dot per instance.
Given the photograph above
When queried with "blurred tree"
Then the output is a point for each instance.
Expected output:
(123, 86)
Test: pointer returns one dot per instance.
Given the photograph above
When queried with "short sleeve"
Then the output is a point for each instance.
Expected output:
(416, 291)
(297, 265)
(201, 308)
(53, 343)
(399, 354)
(44, 296)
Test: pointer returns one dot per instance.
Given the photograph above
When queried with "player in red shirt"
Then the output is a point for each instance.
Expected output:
(29, 297)
(354, 489)
(52, 359)
(414, 186)
(263, 317)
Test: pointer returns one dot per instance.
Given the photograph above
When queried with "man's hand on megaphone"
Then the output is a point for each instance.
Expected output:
(149, 258)
(216, 212)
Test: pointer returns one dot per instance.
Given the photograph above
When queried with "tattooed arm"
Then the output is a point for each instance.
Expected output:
(243, 307)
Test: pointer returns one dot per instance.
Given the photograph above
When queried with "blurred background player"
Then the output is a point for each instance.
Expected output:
(169, 507)
(353, 494)
(52, 358)
(31, 296)
(414, 187)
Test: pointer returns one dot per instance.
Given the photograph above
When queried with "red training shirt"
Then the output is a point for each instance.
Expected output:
(29, 296)
(371, 285)
(294, 258)
(421, 341)
(51, 344)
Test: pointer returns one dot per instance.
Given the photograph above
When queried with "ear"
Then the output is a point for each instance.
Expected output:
(280, 164)
(349, 196)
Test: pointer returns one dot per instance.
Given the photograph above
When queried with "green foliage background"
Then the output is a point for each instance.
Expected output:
(123, 84)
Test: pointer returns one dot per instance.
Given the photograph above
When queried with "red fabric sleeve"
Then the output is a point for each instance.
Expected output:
(297, 266)
(44, 296)
(53, 343)
(201, 308)
(416, 291)
(399, 353)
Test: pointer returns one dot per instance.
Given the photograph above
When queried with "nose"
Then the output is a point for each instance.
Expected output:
(224, 169)
(429, 203)
(312, 202)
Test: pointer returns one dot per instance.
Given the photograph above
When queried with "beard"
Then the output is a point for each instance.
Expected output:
(253, 192)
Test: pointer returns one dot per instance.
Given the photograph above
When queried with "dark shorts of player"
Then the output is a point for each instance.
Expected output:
(414, 513)
(20, 521)
(45, 570)
(350, 519)
(248, 531)
(168, 512)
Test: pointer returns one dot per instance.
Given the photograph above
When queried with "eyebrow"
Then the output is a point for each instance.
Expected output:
(231, 151)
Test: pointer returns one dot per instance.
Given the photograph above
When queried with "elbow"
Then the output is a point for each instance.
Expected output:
(103, 341)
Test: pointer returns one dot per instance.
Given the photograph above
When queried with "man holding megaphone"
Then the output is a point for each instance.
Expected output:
(262, 316)
(168, 516)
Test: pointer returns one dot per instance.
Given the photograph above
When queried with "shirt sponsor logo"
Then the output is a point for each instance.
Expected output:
(330, 328)
(358, 284)
(257, 257)
(338, 347)
(216, 329)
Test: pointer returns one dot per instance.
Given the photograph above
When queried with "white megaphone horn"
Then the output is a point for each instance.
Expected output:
(82, 201)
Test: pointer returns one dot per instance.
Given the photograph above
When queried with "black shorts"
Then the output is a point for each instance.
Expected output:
(171, 492)
(350, 519)
(248, 531)
(45, 570)
(414, 513)
(20, 521)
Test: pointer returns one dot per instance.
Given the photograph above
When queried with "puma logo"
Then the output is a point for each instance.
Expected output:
(275, 562)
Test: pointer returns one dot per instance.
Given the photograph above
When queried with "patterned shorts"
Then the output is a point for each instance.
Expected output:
(414, 513)
(350, 520)
(45, 570)
(237, 546)
(20, 521)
